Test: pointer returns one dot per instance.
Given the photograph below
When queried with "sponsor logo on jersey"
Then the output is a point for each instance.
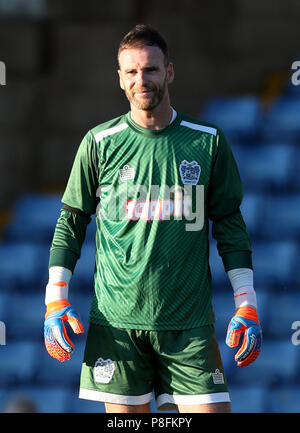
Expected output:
(126, 173)
(103, 370)
(189, 172)
(148, 210)
(161, 202)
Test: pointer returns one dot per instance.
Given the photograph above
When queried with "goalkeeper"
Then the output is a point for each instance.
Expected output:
(155, 178)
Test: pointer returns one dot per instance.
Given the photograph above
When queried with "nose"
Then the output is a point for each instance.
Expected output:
(141, 78)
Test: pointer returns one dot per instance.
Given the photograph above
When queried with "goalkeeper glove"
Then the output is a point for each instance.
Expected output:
(245, 321)
(57, 342)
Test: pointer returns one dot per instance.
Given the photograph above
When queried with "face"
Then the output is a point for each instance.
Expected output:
(144, 77)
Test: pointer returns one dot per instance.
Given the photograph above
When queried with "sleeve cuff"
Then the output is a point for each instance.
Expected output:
(63, 257)
(237, 259)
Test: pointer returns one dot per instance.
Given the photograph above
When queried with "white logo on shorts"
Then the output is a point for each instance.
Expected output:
(218, 377)
(103, 370)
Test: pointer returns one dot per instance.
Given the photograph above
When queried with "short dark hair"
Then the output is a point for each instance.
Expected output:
(144, 35)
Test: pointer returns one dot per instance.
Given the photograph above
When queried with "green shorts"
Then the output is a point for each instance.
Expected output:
(125, 366)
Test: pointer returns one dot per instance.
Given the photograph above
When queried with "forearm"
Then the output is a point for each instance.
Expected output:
(241, 280)
(233, 242)
(67, 240)
(65, 250)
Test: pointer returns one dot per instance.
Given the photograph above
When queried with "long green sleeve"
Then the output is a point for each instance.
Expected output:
(224, 200)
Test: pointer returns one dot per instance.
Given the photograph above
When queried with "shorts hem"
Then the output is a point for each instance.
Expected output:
(170, 401)
(107, 397)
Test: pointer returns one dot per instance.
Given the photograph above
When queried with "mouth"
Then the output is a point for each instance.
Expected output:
(143, 92)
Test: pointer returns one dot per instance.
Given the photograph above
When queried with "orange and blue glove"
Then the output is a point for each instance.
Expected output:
(57, 342)
(245, 321)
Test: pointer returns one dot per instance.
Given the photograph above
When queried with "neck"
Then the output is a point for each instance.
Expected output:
(158, 118)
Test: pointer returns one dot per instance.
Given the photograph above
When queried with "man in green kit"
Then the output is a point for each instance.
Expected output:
(154, 177)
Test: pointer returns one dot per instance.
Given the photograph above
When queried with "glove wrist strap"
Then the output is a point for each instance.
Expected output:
(247, 312)
(54, 306)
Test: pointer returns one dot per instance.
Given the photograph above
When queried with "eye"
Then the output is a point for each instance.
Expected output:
(152, 69)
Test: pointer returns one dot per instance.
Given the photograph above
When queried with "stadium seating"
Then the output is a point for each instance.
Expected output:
(18, 361)
(282, 122)
(281, 216)
(252, 209)
(274, 262)
(283, 312)
(46, 400)
(240, 117)
(26, 315)
(23, 265)
(276, 365)
(83, 276)
(66, 373)
(266, 167)
(248, 399)
(34, 218)
(285, 399)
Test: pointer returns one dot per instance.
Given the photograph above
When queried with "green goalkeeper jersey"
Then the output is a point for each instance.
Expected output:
(153, 193)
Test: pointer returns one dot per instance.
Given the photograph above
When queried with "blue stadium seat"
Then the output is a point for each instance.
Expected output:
(18, 361)
(80, 405)
(283, 311)
(27, 315)
(297, 171)
(91, 231)
(277, 363)
(282, 122)
(35, 216)
(22, 265)
(282, 216)
(274, 263)
(247, 399)
(52, 372)
(81, 301)
(252, 210)
(227, 355)
(6, 305)
(266, 166)
(224, 308)
(46, 400)
(83, 276)
(240, 117)
(219, 277)
(284, 399)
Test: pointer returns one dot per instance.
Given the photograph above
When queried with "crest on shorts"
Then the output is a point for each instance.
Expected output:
(189, 172)
(103, 370)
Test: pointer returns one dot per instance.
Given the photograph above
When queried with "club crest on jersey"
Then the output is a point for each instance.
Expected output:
(126, 173)
(103, 370)
(190, 172)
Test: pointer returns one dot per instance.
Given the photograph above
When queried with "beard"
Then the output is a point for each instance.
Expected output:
(151, 100)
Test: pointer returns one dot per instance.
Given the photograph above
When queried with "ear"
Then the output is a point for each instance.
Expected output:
(170, 72)
(120, 79)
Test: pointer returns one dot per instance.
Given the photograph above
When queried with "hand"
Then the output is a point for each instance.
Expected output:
(57, 342)
(245, 321)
